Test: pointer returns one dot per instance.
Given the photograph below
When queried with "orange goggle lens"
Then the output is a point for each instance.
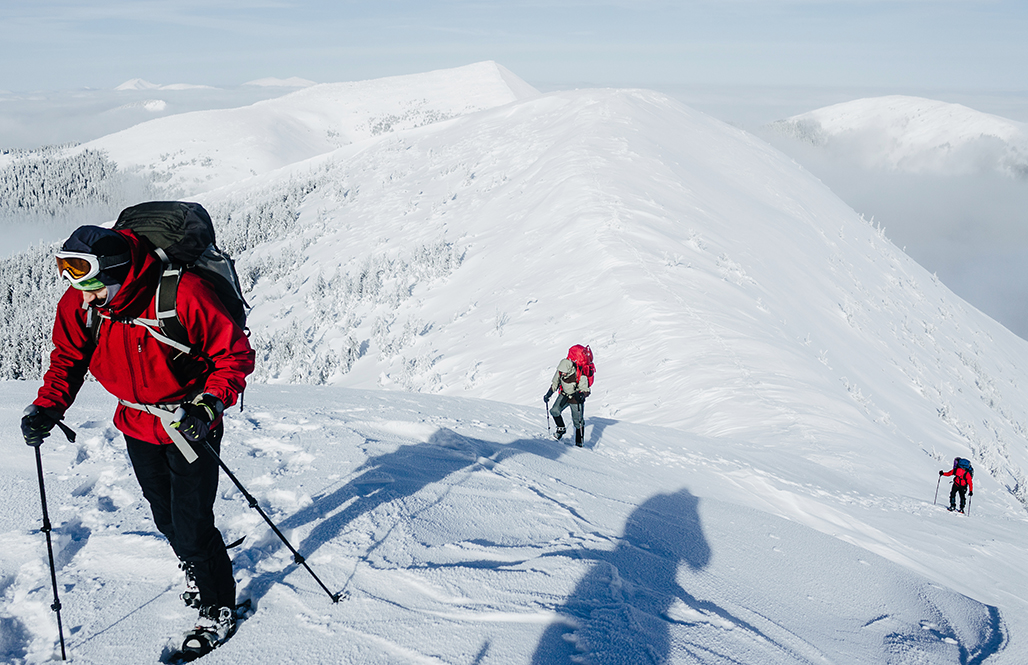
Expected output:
(76, 267)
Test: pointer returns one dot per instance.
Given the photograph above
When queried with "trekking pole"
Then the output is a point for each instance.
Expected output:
(297, 557)
(936, 500)
(969, 505)
(56, 607)
(546, 408)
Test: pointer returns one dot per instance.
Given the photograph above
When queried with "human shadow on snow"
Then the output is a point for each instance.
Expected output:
(596, 427)
(391, 477)
(619, 612)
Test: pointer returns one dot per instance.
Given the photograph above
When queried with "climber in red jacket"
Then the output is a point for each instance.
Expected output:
(168, 400)
(963, 481)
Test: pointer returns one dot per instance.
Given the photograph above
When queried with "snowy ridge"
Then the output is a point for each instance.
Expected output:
(777, 386)
(670, 242)
(194, 152)
(916, 135)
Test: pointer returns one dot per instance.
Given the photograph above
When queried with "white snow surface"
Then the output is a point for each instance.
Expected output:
(194, 152)
(777, 387)
(916, 135)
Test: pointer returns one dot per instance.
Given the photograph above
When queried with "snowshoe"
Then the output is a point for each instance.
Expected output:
(559, 433)
(213, 627)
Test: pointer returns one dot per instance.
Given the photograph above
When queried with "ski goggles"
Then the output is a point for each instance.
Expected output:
(81, 269)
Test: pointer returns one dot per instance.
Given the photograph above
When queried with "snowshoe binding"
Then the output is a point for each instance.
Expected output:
(191, 595)
(214, 626)
(559, 433)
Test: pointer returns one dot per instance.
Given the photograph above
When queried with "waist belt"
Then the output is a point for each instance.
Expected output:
(168, 414)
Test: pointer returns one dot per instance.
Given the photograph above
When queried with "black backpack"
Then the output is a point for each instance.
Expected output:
(182, 236)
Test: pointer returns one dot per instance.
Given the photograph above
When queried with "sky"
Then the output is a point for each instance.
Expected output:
(922, 44)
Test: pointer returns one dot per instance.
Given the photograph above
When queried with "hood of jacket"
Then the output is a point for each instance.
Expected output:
(137, 291)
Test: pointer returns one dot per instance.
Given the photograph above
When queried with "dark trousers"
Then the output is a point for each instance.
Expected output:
(577, 413)
(962, 490)
(181, 497)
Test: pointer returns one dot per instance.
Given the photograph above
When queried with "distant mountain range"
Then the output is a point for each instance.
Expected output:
(915, 135)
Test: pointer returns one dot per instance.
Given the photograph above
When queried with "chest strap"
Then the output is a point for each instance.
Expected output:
(168, 414)
(153, 326)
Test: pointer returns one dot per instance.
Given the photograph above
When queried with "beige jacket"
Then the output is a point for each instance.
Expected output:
(564, 379)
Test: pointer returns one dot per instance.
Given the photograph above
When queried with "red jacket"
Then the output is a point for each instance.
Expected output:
(134, 366)
(961, 477)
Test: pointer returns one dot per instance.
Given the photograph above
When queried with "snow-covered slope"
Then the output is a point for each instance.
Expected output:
(194, 152)
(723, 290)
(915, 135)
(462, 535)
(777, 386)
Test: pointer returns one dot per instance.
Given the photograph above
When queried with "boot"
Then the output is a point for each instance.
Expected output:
(214, 625)
(579, 436)
(560, 427)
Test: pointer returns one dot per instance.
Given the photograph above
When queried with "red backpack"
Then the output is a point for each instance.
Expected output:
(582, 357)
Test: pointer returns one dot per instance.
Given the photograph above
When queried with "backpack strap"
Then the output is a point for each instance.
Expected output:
(173, 332)
(166, 328)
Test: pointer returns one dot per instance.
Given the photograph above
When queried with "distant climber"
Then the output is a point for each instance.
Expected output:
(572, 382)
(963, 482)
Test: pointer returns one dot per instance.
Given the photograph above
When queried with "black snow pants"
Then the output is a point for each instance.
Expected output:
(181, 496)
(962, 490)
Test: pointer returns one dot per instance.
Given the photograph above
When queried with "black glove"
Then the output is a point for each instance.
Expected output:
(970, 493)
(37, 423)
(548, 395)
(580, 397)
(940, 472)
(200, 413)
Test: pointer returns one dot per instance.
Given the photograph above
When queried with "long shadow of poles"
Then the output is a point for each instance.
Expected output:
(392, 477)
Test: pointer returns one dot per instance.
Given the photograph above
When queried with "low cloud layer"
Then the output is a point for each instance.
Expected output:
(969, 227)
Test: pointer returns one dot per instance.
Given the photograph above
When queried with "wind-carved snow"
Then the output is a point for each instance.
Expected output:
(777, 386)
